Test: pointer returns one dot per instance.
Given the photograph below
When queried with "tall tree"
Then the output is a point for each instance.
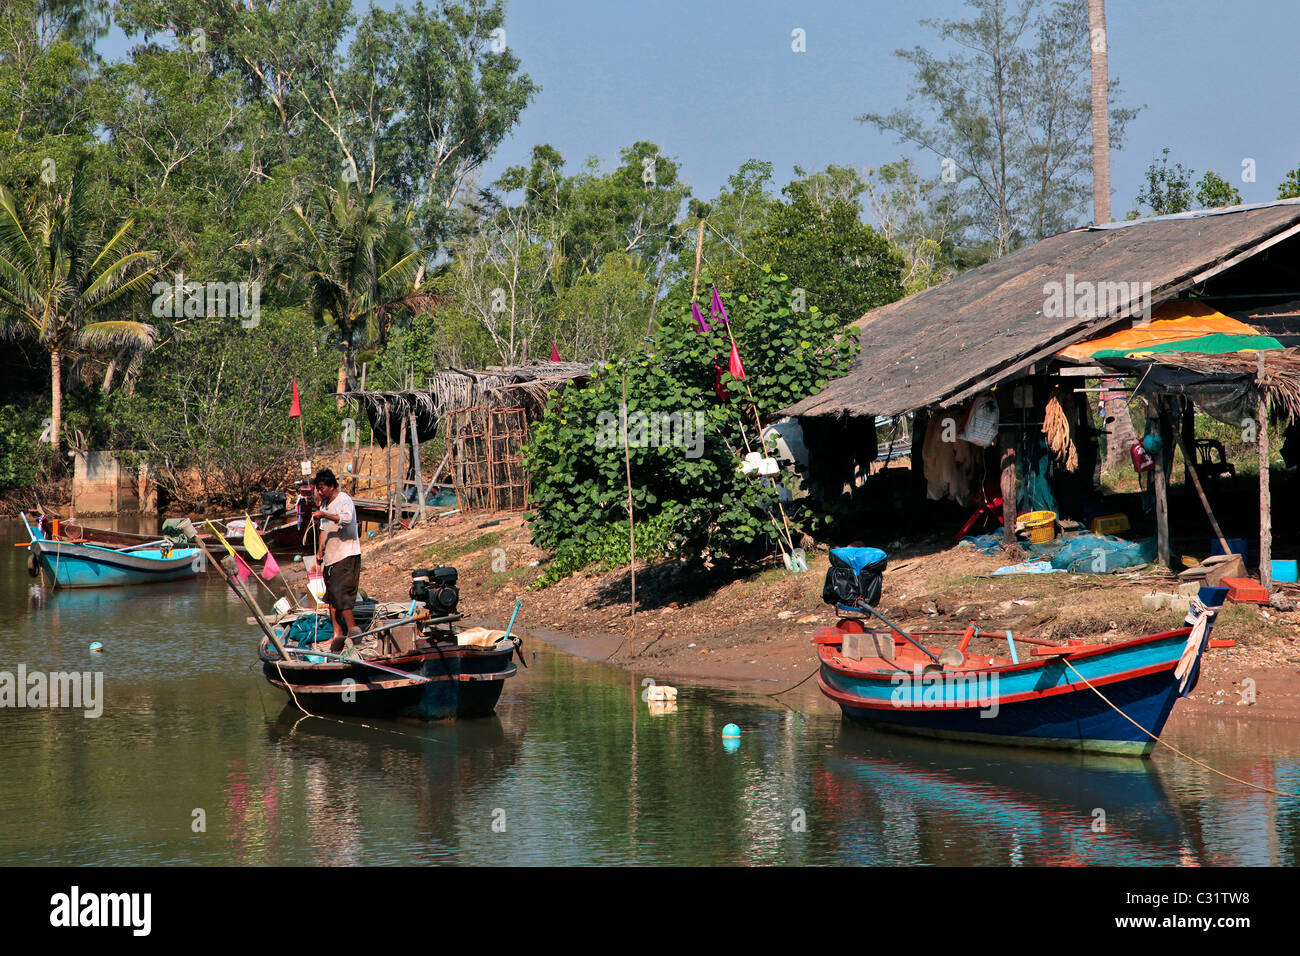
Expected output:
(1100, 107)
(356, 255)
(1007, 117)
(58, 284)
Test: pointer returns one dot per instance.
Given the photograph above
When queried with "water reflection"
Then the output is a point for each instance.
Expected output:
(197, 760)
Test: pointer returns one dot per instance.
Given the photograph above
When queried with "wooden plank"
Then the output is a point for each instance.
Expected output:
(1162, 493)
(1265, 499)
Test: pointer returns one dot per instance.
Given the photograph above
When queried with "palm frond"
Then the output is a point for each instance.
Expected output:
(116, 333)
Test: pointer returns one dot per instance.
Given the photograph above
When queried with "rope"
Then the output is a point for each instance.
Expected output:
(804, 681)
(336, 720)
(1199, 763)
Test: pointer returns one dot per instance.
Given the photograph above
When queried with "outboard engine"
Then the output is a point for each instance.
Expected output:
(436, 589)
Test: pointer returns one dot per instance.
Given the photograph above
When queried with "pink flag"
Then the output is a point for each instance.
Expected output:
(717, 310)
(698, 316)
(242, 569)
(271, 568)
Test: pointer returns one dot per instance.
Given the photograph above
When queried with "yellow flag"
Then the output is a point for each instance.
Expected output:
(221, 539)
(253, 543)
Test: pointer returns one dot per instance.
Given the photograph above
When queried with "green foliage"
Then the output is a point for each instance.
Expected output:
(1213, 192)
(688, 480)
(609, 548)
(1289, 188)
(1005, 112)
(212, 412)
(20, 430)
(819, 239)
(1167, 191)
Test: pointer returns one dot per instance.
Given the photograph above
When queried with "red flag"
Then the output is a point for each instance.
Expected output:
(736, 366)
(718, 388)
(555, 353)
(242, 569)
(271, 568)
(295, 410)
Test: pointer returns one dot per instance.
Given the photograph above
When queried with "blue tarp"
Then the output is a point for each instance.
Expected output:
(1080, 553)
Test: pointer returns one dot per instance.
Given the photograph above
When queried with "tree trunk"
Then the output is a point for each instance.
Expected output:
(343, 379)
(1100, 112)
(56, 400)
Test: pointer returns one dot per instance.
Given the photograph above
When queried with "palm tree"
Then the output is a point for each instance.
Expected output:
(358, 257)
(1100, 111)
(56, 286)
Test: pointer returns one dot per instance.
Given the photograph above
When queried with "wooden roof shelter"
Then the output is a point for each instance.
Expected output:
(997, 323)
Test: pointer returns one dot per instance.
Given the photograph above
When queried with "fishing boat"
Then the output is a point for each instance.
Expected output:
(414, 669)
(79, 564)
(416, 663)
(1104, 698)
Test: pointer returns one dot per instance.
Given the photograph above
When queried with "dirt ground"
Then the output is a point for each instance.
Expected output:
(755, 631)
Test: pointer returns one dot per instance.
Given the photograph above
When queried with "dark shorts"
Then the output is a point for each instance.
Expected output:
(341, 580)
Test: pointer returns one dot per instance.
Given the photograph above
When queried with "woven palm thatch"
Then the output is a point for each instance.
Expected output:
(529, 386)
(1281, 384)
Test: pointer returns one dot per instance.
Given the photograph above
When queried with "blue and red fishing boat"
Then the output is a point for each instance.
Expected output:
(1107, 698)
(80, 564)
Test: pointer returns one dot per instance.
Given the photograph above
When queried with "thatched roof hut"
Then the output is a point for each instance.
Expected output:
(527, 386)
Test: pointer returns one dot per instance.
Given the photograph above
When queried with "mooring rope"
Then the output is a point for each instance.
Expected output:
(345, 723)
(1199, 763)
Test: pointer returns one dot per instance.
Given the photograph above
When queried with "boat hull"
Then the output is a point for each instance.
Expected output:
(446, 681)
(70, 565)
(1039, 703)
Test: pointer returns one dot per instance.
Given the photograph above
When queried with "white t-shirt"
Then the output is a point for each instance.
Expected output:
(342, 538)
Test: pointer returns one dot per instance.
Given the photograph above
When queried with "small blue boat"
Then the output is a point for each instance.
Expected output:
(1105, 698)
(73, 564)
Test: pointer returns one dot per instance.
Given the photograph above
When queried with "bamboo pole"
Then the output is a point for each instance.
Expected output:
(1200, 492)
(699, 252)
(631, 531)
(1265, 499)
(388, 463)
(415, 455)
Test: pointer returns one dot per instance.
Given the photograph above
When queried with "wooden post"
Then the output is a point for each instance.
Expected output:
(415, 456)
(388, 462)
(1007, 439)
(1188, 444)
(699, 251)
(1161, 489)
(1265, 502)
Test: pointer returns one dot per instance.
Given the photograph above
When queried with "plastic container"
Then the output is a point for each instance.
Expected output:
(1284, 571)
(1109, 524)
(1213, 597)
(1040, 526)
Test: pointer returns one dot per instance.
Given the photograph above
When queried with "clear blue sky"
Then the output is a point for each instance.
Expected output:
(714, 82)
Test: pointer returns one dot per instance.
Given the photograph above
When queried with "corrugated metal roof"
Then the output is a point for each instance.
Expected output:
(940, 344)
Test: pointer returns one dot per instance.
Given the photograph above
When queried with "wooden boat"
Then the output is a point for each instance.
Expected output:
(1038, 699)
(419, 669)
(73, 564)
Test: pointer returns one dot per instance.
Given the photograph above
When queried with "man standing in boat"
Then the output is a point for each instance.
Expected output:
(339, 553)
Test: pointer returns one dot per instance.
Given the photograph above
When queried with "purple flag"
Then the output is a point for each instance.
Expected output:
(718, 310)
(699, 316)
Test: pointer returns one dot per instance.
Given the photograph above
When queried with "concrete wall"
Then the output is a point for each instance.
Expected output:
(101, 484)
